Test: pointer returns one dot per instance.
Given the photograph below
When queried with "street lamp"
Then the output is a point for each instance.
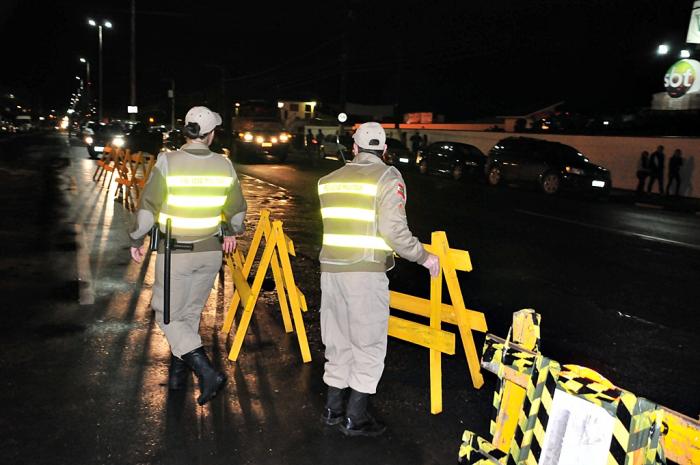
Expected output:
(662, 50)
(108, 25)
(685, 53)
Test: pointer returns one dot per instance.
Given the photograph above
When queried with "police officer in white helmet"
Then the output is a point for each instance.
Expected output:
(193, 187)
(364, 224)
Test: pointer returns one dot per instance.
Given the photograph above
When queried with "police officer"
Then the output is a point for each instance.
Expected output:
(192, 187)
(364, 223)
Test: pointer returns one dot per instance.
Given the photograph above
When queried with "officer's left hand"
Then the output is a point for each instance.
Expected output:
(138, 253)
(229, 244)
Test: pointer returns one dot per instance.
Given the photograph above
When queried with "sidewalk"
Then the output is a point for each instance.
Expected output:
(665, 202)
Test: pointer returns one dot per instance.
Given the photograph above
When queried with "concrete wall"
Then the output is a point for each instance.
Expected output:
(618, 154)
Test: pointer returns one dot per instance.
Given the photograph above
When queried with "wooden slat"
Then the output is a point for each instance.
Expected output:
(422, 335)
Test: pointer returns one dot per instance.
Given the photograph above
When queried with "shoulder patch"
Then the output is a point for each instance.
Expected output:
(401, 191)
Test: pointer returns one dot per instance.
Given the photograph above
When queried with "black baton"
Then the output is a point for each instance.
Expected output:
(170, 245)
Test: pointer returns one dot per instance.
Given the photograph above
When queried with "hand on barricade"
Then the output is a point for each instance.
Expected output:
(432, 264)
(229, 244)
(137, 253)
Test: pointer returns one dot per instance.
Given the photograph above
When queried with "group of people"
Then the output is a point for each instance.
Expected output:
(650, 171)
(364, 224)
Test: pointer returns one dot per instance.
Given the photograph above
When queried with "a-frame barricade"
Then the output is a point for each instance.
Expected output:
(432, 336)
(278, 248)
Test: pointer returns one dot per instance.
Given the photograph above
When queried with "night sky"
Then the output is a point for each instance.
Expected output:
(465, 59)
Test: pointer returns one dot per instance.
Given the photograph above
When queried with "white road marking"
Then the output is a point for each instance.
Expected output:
(86, 287)
(613, 230)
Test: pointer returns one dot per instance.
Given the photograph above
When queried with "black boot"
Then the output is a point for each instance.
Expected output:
(334, 412)
(177, 376)
(357, 421)
(210, 380)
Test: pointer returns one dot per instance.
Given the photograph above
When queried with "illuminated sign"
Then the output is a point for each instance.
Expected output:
(683, 78)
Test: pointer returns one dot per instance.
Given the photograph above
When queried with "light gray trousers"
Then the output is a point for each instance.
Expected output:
(354, 325)
(191, 279)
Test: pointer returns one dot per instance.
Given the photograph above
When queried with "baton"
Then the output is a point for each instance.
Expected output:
(170, 245)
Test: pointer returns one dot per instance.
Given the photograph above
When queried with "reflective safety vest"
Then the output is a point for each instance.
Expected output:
(349, 211)
(197, 191)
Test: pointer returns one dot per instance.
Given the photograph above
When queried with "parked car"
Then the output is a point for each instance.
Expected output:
(550, 165)
(398, 154)
(332, 145)
(102, 136)
(453, 159)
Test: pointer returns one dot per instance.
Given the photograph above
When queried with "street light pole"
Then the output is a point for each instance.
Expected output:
(172, 104)
(108, 25)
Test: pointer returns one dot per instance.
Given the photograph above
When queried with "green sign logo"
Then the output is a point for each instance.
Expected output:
(680, 78)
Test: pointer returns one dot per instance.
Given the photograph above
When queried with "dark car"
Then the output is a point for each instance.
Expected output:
(453, 159)
(397, 154)
(332, 146)
(104, 135)
(550, 165)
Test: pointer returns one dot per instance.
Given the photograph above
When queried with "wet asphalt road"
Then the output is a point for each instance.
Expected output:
(85, 364)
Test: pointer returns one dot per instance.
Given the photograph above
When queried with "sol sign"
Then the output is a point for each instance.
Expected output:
(683, 78)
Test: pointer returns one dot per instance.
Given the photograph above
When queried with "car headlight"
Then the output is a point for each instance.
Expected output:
(284, 137)
(89, 140)
(118, 142)
(247, 137)
(259, 139)
(273, 140)
(572, 170)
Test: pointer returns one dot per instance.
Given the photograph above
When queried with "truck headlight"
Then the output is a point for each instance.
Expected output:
(284, 137)
(118, 142)
(259, 139)
(247, 137)
(89, 140)
(273, 140)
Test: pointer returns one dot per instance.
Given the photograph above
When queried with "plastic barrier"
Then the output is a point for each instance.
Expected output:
(569, 412)
(278, 248)
(432, 336)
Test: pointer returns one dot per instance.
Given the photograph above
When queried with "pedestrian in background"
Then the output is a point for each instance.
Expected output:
(415, 142)
(192, 187)
(309, 139)
(674, 171)
(656, 169)
(364, 223)
(642, 171)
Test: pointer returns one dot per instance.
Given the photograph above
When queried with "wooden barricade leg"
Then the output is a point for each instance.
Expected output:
(435, 355)
(253, 298)
(281, 296)
(260, 230)
(465, 331)
(294, 297)
(236, 299)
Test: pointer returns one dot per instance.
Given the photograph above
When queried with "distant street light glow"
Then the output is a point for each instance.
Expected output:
(82, 60)
(685, 54)
(92, 22)
(108, 24)
(663, 49)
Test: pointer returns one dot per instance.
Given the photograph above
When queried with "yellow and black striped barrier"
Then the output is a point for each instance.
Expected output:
(432, 336)
(568, 412)
(278, 248)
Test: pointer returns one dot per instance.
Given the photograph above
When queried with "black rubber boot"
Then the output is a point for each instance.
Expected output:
(334, 412)
(177, 376)
(210, 380)
(358, 422)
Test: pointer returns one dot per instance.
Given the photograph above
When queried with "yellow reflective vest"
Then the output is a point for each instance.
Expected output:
(349, 210)
(197, 189)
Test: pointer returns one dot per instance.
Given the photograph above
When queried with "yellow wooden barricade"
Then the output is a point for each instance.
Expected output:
(432, 336)
(276, 253)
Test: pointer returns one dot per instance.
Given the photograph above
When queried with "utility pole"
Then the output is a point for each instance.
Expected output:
(171, 94)
(132, 98)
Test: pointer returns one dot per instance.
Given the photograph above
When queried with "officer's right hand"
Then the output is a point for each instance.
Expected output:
(137, 253)
(432, 263)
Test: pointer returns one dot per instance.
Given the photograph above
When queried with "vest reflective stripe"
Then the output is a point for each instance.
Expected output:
(355, 241)
(347, 213)
(197, 181)
(196, 201)
(190, 223)
(357, 188)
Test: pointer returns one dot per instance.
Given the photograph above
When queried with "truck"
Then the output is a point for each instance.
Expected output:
(258, 132)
